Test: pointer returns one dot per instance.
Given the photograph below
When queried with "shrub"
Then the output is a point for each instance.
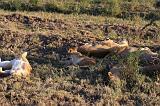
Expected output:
(115, 7)
(133, 80)
(92, 7)
(35, 2)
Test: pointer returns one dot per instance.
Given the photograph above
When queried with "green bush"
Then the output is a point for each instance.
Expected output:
(91, 7)
(17, 4)
(133, 79)
(35, 2)
(115, 7)
(52, 8)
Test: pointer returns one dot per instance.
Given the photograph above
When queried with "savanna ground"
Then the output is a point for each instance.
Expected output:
(47, 35)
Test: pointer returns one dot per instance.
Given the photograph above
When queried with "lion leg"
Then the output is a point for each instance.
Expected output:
(5, 64)
(4, 73)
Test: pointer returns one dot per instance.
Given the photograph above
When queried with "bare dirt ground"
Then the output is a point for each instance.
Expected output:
(46, 37)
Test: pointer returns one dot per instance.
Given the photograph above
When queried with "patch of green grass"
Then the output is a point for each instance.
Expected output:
(92, 7)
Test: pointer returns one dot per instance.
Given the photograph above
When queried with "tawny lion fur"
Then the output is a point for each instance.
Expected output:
(100, 50)
(19, 66)
(77, 58)
(146, 55)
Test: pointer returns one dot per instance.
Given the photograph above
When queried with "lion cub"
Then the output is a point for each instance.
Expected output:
(18, 66)
(77, 58)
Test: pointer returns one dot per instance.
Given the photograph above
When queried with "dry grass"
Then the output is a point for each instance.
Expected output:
(46, 37)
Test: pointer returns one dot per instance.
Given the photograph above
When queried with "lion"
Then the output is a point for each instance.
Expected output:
(101, 50)
(147, 57)
(76, 58)
(19, 66)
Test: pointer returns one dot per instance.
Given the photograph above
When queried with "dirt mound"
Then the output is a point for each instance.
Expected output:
(36, 22)
(148, 32)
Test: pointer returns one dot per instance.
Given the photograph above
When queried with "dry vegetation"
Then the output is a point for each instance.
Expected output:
(47, 36)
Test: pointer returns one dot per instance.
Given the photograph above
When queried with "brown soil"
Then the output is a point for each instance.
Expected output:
(46, 41)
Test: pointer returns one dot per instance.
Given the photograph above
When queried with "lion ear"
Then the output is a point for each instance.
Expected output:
(110, 74)
(69, 50)
(73, 49)
(24, 55)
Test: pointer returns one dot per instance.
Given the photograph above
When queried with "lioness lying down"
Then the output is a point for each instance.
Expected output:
(18, 66)
(150, 60)
(76, 58)
(114, 73)
(104, 48)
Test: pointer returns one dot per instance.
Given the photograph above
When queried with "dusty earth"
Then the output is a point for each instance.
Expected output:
(46, 38)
